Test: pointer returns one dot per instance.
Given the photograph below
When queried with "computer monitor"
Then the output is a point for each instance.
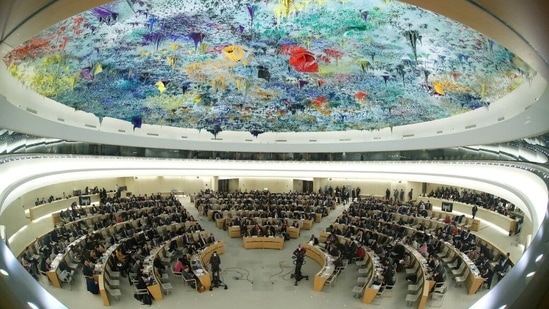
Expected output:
(446, 206)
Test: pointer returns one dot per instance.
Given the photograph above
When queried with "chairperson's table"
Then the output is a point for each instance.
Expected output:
(263, 242)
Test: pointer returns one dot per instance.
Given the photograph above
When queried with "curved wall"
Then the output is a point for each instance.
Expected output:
(509, 181)
(520, 187)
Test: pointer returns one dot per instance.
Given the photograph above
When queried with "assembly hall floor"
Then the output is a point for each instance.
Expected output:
(261, 278)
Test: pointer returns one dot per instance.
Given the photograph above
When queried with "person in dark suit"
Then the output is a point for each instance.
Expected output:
(389, 274)
(202, 242)
(487, 275)
(437, 268)
(142, 280)
(187, 239)
(437, 274)
(502, 266)
(91, 284)
(505, 261)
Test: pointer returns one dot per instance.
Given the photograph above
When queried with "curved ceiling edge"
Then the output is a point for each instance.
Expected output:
(503, 125)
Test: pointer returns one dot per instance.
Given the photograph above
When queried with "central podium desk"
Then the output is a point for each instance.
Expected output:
(263, 242)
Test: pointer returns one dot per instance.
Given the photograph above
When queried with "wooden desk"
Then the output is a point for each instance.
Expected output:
(423, 275)
(370, 290)
(220, 223)
(293, 232)
(54, 270)
(206, 254)
(323, 237)
(307, 224)
(200, 261)
(52, 273)
(56, 206)
(234, 231)
(500, 220)
(155, 290)
(318, 218)
(148, 268)
(102, 291)
(100, 271)
(326, 265)
(263, 242)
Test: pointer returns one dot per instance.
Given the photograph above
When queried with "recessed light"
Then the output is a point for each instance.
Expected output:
(530, 274)
(4, 272)
(539, 258)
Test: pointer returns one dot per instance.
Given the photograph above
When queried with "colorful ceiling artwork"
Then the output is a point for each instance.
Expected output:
(267, 66)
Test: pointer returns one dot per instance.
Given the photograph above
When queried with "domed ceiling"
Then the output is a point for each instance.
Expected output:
(267, 66)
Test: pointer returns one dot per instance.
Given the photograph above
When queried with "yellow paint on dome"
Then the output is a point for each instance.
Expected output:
(234, 52)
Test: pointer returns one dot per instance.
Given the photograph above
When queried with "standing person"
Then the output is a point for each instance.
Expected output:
(487, 274)
(299, 255)
(215, 262)
(474, 210)
(91, 285)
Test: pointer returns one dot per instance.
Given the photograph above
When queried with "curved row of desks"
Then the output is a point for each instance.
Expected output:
(88, 222)
(324, 260)
(420, 264)
(370, 289)
(504, 222)
(199, 262)
(473, 279)
(53, 273)
(431, 223)
(203, 259)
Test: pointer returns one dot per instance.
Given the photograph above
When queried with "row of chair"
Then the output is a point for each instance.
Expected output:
(367, 273)
(112, 282)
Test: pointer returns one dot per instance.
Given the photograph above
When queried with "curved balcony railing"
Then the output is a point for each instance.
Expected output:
(518, 151)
